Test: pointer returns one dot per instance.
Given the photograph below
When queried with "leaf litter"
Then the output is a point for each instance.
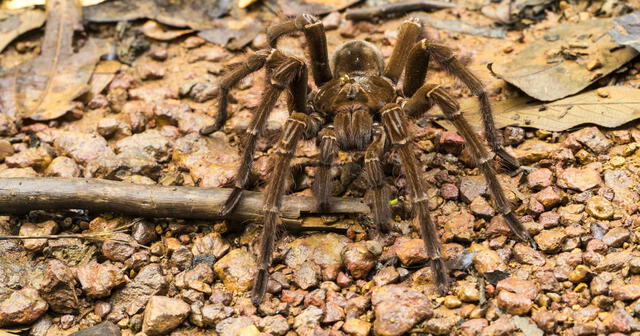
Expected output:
(44, 87)
(14, 23)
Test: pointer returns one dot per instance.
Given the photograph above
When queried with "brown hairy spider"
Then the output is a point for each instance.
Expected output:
(358, 108)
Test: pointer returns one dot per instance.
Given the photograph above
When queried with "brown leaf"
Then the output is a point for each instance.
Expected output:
(559, 64)
(627, 30)
(314, 7)
(43, 88)
(157, 31)
(195, 14)
(232, 33)
(103, 74)
(621, 106)
(14, 23)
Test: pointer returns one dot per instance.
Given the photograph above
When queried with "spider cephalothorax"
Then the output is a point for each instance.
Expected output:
(357, 107)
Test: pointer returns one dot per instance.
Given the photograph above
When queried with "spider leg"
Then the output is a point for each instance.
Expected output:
(416, 70)
(375, 179)
(395, 124)
(322, 181)
(293, 130)
(287, 72)
(451, 110)
(410, 31)
(313, 30)
(254, 63)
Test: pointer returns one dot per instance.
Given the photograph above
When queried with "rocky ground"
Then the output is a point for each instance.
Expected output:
(578, 199)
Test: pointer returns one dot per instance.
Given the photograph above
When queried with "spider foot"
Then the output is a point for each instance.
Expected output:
(439, 270)
(231, 202)
(206, 130)
(506, 160)
(260, 287)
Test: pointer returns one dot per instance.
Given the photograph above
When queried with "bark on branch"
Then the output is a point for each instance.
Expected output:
(21, 195)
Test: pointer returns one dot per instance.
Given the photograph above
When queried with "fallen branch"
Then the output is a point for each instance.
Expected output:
(21, 195)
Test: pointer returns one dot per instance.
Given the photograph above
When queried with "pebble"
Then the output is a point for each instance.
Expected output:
(513, 135)
(468, 293)
(198, 278)
(616, 236)
(6, 149)
(309, 316)
(211, 244)
(82, 147)
(182, 258)
(23, 306)
(581, 179)
(549, 197)
(107, 127)
(471, 187)
(540, 178)
(275, 325)
(487, 260)
(97, 280)
(599, 207)
(451, 142)
(626, 292)
(398, 308)
(579, 274)
(212, 314)
(119, 247)
(37, 229)
(36, 157)
(593, 139)
(62, 166)
(151, 142)
(525, 288)
(356, 327)
(386, 276)
(106, 328)
(149, 281)
(237, 270)
(358, 259)
(473, 326)
(193, 42)
(449, 191)
(332, 21)
(307, 275)
(457, 227)
(410, 251)
(144, 232)
(150, 71)
(163, 314)
(480, 207)
(525, 254)
(550, 240)
(614, 261)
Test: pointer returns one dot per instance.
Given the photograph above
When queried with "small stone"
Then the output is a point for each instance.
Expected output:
(233, 326)
(237, 270)
(525, 254)
(521, 287)
(410, 251)
(62, 166)
(163, 314)
(550, 240)
(101, 309)
(579, 274)
(626, 292)
(614, 261)
(451, 142)
(150, 71)
(182, 258)
(616, 237)
(212, 314)
(97, 280)
(107, 127)
(275, 325)
(480, 207)
(119, 247)
(24, 306)
(514, 304)
(386, 276)
(487, 260)
(144, 232)
(37, 229)
(457, 227)
(106, 328)
(193, 42)
(513, 135)
(159, 52)
(358, 259)
(595, 140)
(599, 207)
(549, 197)
(449, 191)
(473, 326)
(452, 302)
(36, 157)
(540, 178)
(211, 244)
(6, 149)
(356, 327)
(332, 21)
(307, 275)
(468, 294)
(471, 187)
(599, 286)
(581, 179)
(398, 308)
(309, 316)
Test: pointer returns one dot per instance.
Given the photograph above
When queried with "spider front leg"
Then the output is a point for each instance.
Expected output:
(287, 72)
(415, 75)
(253, 64)
(294, 129)
(375, 180)
(313, 30)
(322, 181)
(430, 94)
(395, 124)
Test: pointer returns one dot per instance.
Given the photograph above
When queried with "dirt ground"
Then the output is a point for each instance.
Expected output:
(577, 196)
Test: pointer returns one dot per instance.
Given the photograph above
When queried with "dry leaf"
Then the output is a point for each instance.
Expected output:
(160, 32)
(527, 327)
(557, 65)
(17, 4)
(621, 106)
(232, 33)
(43, 88)
(103, 74)
(627, 30)
(195, 14)
(14, 23)
(315, 7)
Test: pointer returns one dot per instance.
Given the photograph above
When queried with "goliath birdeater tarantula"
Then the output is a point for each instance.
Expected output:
(357, 107)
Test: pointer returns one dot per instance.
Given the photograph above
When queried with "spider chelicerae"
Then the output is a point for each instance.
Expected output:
(358, 108)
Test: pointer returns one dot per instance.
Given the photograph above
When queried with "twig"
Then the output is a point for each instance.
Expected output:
(395, 9)
(21, 195)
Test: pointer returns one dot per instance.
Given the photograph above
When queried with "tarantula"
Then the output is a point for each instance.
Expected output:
(357, 107)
